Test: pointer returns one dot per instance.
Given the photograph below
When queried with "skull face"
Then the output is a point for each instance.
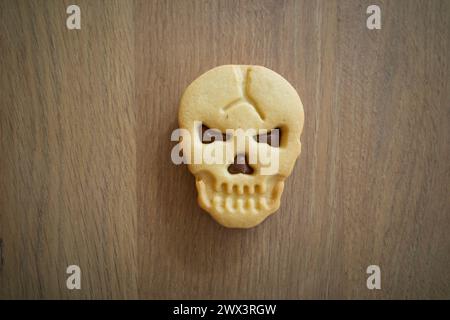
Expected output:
(236, 192)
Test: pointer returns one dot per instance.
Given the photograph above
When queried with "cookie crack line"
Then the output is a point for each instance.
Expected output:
(244, 83)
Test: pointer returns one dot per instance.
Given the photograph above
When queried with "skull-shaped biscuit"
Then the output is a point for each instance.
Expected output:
(236, 192)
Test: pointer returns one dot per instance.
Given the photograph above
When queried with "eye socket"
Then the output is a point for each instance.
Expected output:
(272, 138)
(208, 135)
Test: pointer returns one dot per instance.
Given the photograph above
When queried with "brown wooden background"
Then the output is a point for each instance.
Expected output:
(85, 171)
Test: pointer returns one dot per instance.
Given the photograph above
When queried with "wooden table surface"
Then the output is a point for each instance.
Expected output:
(85, 170)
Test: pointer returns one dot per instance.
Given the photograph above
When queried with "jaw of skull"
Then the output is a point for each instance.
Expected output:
(236, 203)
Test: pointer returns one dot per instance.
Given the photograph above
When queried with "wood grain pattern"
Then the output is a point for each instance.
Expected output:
(86, 176)
(67, 143)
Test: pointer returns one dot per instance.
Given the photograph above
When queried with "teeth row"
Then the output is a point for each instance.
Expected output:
(241, 189)
(231, 204)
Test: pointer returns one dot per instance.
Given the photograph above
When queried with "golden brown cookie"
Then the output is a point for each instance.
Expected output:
(238, 192)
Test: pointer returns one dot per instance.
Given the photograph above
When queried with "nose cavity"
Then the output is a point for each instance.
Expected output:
(240, 165)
